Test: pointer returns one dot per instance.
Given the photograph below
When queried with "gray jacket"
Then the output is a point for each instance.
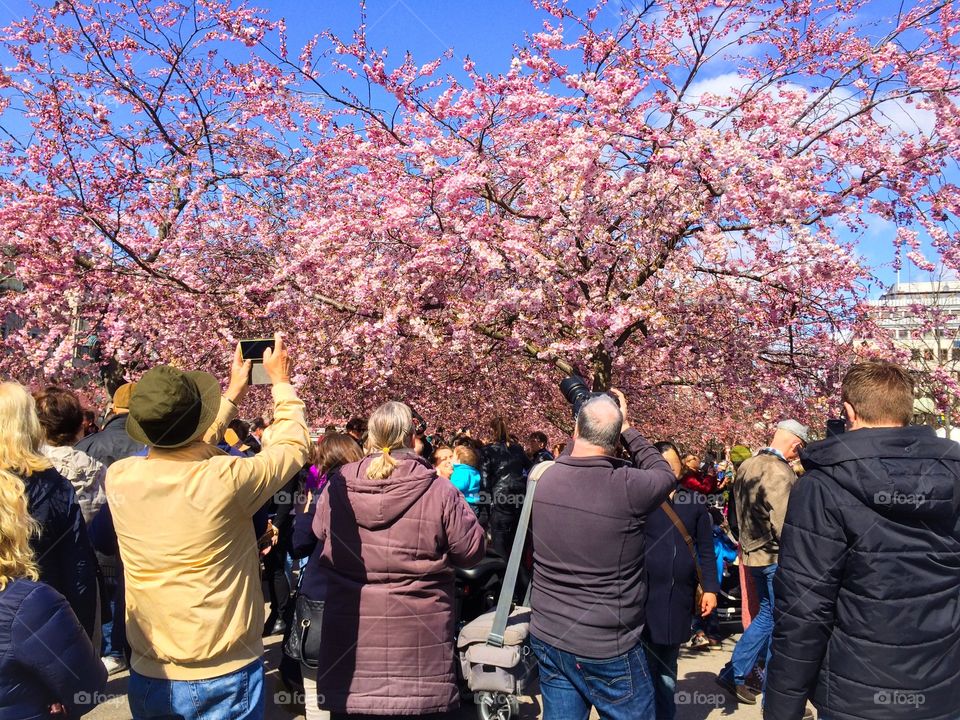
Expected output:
(84, 473)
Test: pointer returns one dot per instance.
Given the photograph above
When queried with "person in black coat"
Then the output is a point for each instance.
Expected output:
(672, 582)
(46, 658)
(503, 479)
(867, 609)
(62, 548)
(47, 662)
(64, 553)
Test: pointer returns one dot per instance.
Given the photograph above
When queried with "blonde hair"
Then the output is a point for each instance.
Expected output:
(21, 436)
(466, 455)
(16, 527)
(389, 428)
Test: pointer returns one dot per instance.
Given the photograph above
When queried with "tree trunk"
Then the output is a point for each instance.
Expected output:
(602, 370)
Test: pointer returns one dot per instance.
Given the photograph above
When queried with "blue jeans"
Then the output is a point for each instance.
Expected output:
(619, 688)
(662, 661)
(755, 640)
(237, 696)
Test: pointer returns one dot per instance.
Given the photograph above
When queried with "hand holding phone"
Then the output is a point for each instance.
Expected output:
(239, 377)
(254, 350)
(276, 362)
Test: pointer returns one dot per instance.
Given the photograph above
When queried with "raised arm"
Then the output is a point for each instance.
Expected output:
(650, 479)
(286, 443)
(236, 390)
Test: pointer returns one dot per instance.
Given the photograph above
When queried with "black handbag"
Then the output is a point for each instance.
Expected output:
(303, 642)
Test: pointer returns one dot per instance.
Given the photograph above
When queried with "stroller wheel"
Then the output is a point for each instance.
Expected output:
(496, 706)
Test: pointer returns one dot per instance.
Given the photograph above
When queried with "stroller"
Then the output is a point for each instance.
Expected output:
(496, 659)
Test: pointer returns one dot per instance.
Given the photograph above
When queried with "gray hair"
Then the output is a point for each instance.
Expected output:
(599, 422)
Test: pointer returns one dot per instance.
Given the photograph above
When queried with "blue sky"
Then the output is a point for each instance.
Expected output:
(487, 32)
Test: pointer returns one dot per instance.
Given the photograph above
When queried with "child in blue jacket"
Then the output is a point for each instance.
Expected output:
(466, 474)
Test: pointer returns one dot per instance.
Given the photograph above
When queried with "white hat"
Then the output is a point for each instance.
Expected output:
(794, 427)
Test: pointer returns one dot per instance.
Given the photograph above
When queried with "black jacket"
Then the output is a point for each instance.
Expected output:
(112, 443)
(671, 573)
(867, 613)
(503, 476)
(63, 549)
(45, 657)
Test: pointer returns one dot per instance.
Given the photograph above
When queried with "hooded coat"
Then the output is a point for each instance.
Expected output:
(867, 609)
(384, 564)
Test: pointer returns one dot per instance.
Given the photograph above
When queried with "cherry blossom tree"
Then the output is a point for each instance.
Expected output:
(666, 202)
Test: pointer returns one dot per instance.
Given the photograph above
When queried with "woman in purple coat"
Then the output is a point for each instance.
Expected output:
(389, 534)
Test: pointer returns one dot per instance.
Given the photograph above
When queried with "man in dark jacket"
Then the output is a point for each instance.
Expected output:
(672, 577)
(868, 591)
(537, 448)
(589, 588)
(109, 445)
(112, 443)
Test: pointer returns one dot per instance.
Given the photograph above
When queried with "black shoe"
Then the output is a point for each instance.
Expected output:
(742, 693)
(274, 626)
(754, 680)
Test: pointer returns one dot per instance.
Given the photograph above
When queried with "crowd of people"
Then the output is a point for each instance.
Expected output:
(145, 544)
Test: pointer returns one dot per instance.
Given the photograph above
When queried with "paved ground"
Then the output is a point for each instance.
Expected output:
(697, 696)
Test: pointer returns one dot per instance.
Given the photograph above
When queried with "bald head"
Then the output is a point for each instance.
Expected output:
(787, 443)
(599, 423)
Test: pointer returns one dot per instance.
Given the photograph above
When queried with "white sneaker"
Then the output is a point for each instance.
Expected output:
(114, 664)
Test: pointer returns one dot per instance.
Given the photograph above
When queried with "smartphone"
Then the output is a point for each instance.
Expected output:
(253, 349)
(836, 426)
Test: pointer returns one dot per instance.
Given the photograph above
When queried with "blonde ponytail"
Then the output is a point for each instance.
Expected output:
(381, 467)
(389, 428)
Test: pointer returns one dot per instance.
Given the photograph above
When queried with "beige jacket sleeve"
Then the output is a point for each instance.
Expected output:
(225, 415)
(286, 449)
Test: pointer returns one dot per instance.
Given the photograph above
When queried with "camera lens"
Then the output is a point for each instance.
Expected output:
(575, 391)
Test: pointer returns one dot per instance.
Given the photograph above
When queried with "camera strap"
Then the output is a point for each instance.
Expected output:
(505, 601)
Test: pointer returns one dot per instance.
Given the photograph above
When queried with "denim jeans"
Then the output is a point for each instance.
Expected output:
(662, 661)
(755, 640)
(236, 696)
(619, 688)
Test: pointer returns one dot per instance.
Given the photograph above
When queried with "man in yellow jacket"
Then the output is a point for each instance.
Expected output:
(183, 517)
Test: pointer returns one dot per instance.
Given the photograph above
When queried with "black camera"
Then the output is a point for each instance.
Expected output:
(576, 392)
(836, 426)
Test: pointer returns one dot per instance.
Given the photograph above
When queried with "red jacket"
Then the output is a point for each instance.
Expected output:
(696, 481)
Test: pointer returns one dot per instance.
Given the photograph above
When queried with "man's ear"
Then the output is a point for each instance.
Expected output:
(850, 413)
